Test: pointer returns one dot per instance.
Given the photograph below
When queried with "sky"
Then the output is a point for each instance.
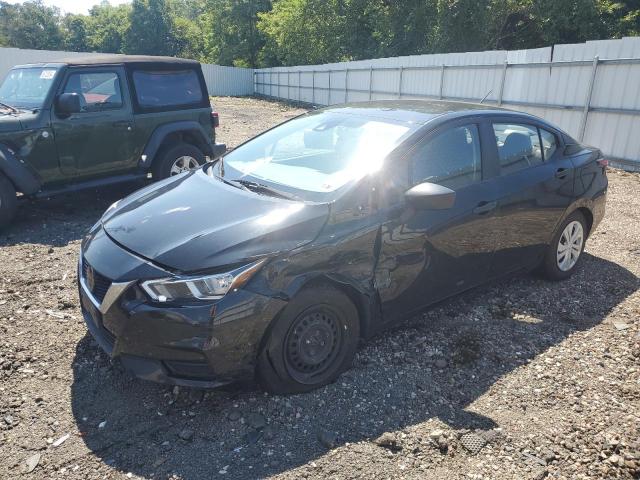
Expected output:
(75, 6)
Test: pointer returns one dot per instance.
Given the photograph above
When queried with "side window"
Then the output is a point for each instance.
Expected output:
(167, 88)
(549, 143)
(451, 159)
(518, 147)
(98, 90)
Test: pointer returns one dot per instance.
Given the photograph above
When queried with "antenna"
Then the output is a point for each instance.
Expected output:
(485, 97)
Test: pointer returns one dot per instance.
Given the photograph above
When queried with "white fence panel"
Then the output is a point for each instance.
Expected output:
(228, 81)
(220, 80)
(591, 90)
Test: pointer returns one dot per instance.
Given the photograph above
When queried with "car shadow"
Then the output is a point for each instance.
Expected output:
(432, 367)
(64, 218)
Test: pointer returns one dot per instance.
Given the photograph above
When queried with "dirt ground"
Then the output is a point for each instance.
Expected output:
(521, 379)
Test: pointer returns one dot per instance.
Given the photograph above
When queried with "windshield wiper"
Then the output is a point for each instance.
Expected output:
(260, 187)
(9, 107)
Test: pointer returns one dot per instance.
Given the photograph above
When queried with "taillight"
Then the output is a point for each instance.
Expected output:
(215, 119)
(603, 162)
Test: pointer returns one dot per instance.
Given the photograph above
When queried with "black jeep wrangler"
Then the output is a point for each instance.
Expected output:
(89, 122)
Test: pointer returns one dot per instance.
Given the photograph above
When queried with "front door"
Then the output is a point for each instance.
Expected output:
(427, 255)
(100, 138)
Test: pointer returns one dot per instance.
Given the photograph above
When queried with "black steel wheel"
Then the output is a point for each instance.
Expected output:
(311, 343)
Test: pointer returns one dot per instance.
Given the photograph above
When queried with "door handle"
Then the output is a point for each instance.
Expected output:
(562, 173)
(484, 207)
(122, 124)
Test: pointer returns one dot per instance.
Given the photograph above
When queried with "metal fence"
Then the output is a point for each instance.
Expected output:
(591, 90)
(224, 81)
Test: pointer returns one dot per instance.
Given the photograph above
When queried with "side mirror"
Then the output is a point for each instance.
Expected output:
(68, 104)
(430, 196)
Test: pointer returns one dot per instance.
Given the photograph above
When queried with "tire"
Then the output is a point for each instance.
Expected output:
(311, 343)
(8, 202)
(165, 164)
(557, 267)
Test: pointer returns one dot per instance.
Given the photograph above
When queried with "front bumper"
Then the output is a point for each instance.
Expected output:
(204, 344)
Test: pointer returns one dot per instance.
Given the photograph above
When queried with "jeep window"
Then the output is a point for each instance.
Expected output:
(98, 90)
(167, 88)
(27, 87)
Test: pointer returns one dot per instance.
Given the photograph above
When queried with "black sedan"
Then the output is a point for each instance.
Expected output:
(276, 259)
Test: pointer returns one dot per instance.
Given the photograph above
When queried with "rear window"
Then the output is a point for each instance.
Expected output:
(167, 88)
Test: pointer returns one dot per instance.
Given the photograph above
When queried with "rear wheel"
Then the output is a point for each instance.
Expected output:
(8, 201)
(565, 251)
(177, 159)
(311, 343)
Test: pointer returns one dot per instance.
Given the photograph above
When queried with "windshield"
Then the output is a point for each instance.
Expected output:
(27, 87)
(317, 154)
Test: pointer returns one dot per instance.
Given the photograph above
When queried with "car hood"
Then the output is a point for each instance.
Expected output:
(9, 122)
(194, 222)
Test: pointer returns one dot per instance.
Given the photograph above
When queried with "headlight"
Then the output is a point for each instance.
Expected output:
(206, 287)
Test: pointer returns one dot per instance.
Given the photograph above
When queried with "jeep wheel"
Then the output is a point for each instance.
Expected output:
(8, 201)
(177, 159)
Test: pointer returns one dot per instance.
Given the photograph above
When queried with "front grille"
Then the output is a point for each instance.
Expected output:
(190, 370)
(97, 283)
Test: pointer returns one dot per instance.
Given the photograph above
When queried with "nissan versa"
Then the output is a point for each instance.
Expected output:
(276, 259)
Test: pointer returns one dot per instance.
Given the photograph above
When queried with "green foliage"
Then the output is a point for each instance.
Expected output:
(231, 33)
(252, 33)
(76, 28)
(108, 27)
(151, 29)
(31, 25)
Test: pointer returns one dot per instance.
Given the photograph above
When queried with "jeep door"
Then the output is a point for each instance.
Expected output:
(100, 138)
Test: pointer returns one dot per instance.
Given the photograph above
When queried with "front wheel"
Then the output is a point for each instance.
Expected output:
(312, 342)
(565, 251)
(177, 159)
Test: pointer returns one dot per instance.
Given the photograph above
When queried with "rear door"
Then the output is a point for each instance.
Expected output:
(426, 255)
(535, 188)
(100, 138)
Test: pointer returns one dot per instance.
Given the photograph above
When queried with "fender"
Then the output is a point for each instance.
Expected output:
(160, 133)
(364, 297)
(16, 171)
(581, 203)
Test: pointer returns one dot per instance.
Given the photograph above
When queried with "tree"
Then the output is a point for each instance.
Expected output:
(189, 42)
(31, 25)
(461, 25)
(404, 28)
(568, 21)
(621, 18)
(76, 29)
(151, 29)
(108, 26)
(251, 33)
(231, 32)
(305, 31)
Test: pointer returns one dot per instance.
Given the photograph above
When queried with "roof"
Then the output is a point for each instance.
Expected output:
(121, 60)
(414, 111)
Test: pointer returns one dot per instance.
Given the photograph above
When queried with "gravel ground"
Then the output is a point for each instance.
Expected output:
(521, 379)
